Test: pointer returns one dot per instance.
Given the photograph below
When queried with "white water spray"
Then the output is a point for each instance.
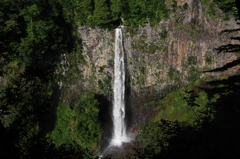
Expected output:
(118, 116)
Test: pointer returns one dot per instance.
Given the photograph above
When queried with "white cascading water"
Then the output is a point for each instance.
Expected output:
(118, 116)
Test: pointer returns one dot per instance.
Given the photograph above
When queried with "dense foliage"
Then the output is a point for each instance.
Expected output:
(227, 6)
(34, 34)
(108, 13)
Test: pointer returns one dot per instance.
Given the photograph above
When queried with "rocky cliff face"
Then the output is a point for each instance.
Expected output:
(160, 57)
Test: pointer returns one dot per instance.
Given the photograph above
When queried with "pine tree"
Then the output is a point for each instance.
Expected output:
(101, 12)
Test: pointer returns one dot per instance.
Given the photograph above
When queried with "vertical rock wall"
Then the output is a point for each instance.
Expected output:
(159, 57)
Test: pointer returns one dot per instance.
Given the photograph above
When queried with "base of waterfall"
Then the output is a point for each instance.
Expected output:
(126, 150)
(119, 140)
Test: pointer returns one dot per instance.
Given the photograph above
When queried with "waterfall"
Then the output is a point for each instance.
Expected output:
(118, 116)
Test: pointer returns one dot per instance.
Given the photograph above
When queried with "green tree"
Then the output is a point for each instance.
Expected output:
(101, 14)
(156, 136)
(226, 5)
(88, 127)
(84, 11)
(79, 126)
(116, 7)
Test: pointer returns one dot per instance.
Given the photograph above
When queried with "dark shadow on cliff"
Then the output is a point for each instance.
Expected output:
(105, 118)
(225, 67)
(228, 48)
(128, 94)
(237, 2)
(128, 103)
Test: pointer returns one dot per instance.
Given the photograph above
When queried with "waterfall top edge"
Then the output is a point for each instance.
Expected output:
(120, 27)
